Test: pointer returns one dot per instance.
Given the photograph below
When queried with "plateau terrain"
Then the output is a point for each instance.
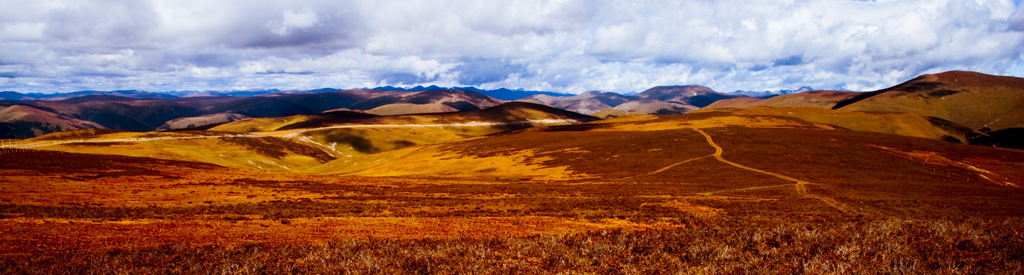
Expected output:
(924, 177)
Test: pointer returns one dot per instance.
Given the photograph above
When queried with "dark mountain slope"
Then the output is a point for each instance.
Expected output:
(695, 95)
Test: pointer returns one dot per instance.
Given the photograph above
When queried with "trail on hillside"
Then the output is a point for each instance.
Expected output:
(746, 189)
(800, 185)
(676, 164)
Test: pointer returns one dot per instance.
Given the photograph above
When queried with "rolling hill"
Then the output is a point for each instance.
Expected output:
(268, 153)
(355, 134)
(658, 107)
(964, 106)
(585, 103)
(722, 155)
(717, 191)
(657, 100)
(500, 93)
(903, 124)
(512, 112)
(695, 95)
(968, 106)
(20, 121)
(7, 95)
(304, 141)
(971, 99)
(203, 121)
(816, 99)
(148, 114)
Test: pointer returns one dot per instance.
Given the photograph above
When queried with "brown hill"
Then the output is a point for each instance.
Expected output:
(968, 106)
(258, 152)
(736, 102)
(705, 192)
(816, 99)
(657, 100)
(715, 157)
(585, 103)
(904, 124)
(375, 135)
(304, 141)
(134, 114)
(971, 99)
(199, 121)
(695, 95)
(658, 107)
(346, 133)
(19, 121)
(511, 112)
(432, 101)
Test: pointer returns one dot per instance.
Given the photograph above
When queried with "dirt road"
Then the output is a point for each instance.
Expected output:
(799, 185)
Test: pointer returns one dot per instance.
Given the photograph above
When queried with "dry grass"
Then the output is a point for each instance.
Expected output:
(715, 246)
(651, 202)
(710, 122)
(904, 124)
(969, 99)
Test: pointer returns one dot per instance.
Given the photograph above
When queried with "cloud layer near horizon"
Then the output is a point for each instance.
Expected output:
(563, 45)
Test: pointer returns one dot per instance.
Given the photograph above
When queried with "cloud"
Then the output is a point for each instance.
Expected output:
(476, 72)
(789, 61)
(293, 20)
(112, 24)
(397, 78)
(565, 45)
(1016, 21)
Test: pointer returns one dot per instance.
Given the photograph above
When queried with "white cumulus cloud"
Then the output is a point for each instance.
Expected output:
(292, 20)
(556, 45)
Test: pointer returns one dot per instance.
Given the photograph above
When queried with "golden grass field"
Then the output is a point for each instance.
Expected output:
(713, 192)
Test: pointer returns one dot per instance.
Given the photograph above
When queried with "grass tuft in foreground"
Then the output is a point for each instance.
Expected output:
(720, 246)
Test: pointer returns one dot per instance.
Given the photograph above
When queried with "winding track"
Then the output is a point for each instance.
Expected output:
(800, 185)
(676, 164)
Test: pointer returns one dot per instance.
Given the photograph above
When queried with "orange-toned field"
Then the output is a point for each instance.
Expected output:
(703, 193)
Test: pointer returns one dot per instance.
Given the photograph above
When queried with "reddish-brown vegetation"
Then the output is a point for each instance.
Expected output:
(786, 198)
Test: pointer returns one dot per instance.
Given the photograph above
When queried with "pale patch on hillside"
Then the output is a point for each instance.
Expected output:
(199, 121)
(436, 161)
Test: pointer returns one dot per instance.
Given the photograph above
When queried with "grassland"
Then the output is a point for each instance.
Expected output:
(970, 99)
(224, 149)
(702, 193)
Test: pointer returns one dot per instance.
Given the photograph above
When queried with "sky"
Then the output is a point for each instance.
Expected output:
(570, 46)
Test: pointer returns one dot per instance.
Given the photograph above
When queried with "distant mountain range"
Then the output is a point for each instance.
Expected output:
(8, 95)
(28, 118)
(501, 94)
(966, 106)
(657, 100)
(29, 115)
(771, 93)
